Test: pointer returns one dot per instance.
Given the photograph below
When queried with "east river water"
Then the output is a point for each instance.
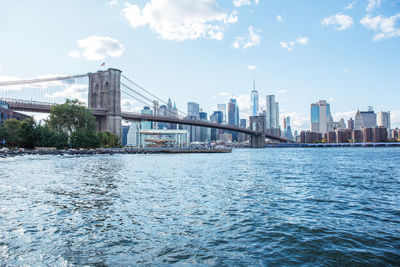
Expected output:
(316, 206)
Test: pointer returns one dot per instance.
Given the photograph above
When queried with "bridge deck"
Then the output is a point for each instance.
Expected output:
(42, 107)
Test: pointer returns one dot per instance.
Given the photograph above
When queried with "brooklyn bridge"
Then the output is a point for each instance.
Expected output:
(104, 94)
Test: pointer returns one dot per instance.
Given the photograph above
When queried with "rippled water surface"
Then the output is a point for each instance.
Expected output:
(334, 206)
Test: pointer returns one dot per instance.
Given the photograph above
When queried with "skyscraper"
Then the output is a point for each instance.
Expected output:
(383, 119)
(287, 131)
(233, 116)
(272, 113)
(146, 125)
(365, 119)
(350, 124)
(222, 108)
(254, 106)
(320, 116)
(193, 110)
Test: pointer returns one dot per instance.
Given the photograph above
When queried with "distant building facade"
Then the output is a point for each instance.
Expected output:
(320, 116)
(365, 119)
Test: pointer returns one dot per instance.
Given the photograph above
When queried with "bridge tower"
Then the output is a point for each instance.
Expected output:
(257, 123)
(105, 93)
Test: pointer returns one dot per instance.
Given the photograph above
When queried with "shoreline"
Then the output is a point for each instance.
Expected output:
(111, 151)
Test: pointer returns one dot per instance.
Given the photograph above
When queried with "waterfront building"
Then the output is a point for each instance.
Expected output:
(330, 137)
(287, 128)
(310, 137)
(242, 136)
(216, 117)
(383, 119)
(368, 134)
(350, 124)
(396, 133)
(320, 116)
(254, 103)
(343, 136)
(163, 138)
(193, 110)
(205, 133)
(125, 130)
(380, 134)
(132, 138)
(233, 116)
(271, 113)
(6, 113)
(365, 119)
(357, 136)
(222, 108)
(146, 124)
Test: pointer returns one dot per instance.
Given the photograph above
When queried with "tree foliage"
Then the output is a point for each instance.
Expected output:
(70, 117)
(70, 125)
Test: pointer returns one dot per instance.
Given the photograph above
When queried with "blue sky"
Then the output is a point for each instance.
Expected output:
(346, 52)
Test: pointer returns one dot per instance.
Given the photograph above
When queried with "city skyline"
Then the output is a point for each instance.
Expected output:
(334, 53)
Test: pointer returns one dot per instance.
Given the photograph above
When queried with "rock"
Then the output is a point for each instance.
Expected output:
(4, 150)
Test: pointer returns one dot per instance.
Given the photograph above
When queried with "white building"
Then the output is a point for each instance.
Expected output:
(132, 138)
(365, 119)
(383, 119)
(222, 108)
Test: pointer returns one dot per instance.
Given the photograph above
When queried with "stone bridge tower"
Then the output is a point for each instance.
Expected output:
(105, 94)
(257, 123)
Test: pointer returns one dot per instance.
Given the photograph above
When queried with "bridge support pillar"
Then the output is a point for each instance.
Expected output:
(105, 93)
(257, 123)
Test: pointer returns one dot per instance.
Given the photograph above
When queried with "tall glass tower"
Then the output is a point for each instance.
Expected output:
(254, 106)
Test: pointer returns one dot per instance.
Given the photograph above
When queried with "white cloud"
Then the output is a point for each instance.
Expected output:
(346, 115)
(76, 91)
(74, 54)
(350, 5)
(0, 67)
(238, 3)
(383, 26)
(113, 3)
(302, 40)
(331, 99)
(223, 94)
(279, 18)
(373, 4)
(180, 20)
(342, 21)
(253, 39)
(281, 91)
(251, 67)
(256, 2)
(98, 48)
(346, 70)
(290, 45)
(130, 105)
(298, 121)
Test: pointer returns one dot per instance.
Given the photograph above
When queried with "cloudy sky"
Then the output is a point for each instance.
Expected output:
(344, 51)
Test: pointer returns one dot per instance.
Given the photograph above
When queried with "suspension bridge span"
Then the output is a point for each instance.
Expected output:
(104, 99)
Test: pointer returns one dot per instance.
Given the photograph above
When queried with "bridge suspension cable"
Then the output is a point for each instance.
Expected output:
(43, 80)
(140, 87)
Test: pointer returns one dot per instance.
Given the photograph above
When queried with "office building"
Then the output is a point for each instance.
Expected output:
(205, 133)
(287, 130)
(146, 124)
(320, 117)
(222, 108)
(125, 130)
(383, 120)
(271, 113)
(254, 103)
(193, 110)
(216, 117)
(233, 117)
(350, 124)
(365, 119)
(132, 138)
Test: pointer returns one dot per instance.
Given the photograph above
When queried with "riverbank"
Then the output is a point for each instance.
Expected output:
(112, 151)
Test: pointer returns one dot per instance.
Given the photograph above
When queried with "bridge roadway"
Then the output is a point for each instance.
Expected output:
(43, 107)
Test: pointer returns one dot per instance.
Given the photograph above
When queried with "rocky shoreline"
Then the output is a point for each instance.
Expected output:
(5, 152)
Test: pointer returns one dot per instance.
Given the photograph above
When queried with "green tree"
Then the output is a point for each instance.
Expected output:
(26, 133)
(10, 131)
(84, 138)
(108, 139)
(45, 137)
(71, 116)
